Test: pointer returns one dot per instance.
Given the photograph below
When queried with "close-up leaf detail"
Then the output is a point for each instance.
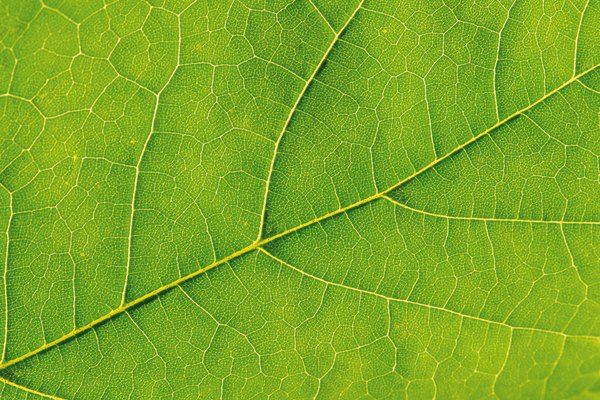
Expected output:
(300, 199)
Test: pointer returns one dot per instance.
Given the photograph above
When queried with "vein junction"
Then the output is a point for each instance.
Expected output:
(262, 242)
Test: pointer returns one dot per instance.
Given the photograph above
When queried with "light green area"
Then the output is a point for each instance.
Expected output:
(393, 199)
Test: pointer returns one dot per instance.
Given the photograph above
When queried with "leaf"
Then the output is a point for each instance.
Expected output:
(300, 199)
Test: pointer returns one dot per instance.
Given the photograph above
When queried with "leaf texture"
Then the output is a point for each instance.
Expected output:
(300, 199)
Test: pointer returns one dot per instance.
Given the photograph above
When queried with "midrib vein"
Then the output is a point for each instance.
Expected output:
(264, 241)
(307, 84)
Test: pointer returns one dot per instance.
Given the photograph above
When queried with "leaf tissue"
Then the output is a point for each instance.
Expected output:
(299, 199)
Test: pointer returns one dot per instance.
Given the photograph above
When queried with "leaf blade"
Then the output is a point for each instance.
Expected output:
(217, 124)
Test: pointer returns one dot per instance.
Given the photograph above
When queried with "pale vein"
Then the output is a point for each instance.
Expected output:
(293, 111)
(262, 242)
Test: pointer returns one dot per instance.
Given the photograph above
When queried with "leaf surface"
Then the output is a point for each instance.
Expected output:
(300, 199)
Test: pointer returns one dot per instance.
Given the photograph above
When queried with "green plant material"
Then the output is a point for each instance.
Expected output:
(300, 198)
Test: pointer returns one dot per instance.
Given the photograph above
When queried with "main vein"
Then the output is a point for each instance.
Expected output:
(262, 242)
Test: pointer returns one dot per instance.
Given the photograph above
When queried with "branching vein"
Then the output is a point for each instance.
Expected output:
(293, 111)
(260, 243)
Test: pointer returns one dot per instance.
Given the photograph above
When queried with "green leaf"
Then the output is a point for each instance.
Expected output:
(300, 199)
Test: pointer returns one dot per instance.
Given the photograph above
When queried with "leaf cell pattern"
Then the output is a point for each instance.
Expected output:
(300, 199)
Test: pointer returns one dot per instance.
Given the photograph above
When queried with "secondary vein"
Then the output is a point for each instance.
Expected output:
(10, 219)
(139, 163)
(484, 219)
(416, 303)
(295, 108)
